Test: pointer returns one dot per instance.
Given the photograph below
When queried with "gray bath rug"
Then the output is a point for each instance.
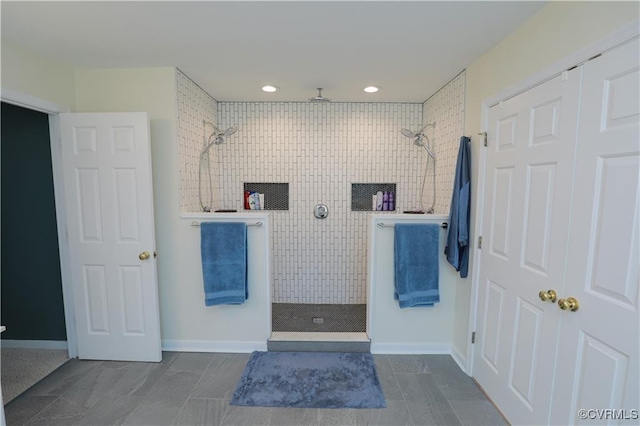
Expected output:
(310, 380)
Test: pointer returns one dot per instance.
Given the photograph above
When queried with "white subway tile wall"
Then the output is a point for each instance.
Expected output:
(193, 106)
(446, 108)
(320, 150)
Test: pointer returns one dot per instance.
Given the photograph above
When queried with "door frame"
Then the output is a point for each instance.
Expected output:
(616, 38)
(52, 110)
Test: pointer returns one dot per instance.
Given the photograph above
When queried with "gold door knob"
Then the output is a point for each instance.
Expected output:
(548, 296)
(144, 255)
(569, 304)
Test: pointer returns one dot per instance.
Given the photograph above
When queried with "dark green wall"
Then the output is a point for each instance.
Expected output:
(31, 286)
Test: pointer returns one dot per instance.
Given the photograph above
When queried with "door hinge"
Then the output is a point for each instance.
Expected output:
(480, 242)
(473, 337)
(484, 135)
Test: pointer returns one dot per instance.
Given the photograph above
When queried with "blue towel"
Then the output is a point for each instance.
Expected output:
(457, 248)
(416, 249)
(223, 247)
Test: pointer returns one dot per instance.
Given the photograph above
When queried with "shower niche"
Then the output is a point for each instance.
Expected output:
(271, 196)
(364, 197)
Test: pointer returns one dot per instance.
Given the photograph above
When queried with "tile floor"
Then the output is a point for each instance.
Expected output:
(195, 388)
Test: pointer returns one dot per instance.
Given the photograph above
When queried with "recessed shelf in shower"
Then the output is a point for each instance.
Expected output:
(276, 195)
(362, 193)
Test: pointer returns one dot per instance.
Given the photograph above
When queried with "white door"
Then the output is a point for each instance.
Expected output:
(108, 191)
(527, 202)
(598, 353)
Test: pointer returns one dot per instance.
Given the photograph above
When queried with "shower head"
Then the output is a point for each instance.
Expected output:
(231, 130)
(408, 133)
(319, 99)
(417, 137)
(217, 137)
(419, 134)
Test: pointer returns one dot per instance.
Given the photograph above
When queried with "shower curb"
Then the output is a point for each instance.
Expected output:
(319, 342)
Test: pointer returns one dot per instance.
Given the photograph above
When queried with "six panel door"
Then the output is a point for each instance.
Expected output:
(598, 352)
(109, 203)
(529, 166)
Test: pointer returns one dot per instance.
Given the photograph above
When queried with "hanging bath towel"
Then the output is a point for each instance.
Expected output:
(223, 247)
(416, 248)
(457, 248)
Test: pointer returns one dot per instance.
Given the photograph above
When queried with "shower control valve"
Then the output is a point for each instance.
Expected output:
(321, 211)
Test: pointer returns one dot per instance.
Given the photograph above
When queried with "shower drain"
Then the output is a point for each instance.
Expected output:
(318, 320)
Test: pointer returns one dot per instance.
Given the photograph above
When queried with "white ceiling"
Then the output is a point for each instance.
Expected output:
(232, 49)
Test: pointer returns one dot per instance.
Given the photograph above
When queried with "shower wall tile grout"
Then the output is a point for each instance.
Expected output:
(193, 106)
(446, 109)
(320, 150)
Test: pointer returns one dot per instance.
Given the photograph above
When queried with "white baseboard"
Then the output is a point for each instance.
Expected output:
(34, 344)
(410, 348)
(209, 346)
(459, 359)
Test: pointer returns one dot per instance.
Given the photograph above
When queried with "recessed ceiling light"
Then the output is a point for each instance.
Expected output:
(269, 89)
(371, 89)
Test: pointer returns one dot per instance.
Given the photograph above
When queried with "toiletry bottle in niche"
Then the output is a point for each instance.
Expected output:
(261, 197)
(247, 194)
(385, 201)
(252, 201)
(256, 198)
(379, 201)
(392, 201)
(374, 202)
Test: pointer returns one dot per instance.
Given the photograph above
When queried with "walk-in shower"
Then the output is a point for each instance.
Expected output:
(216, 137)
(419, 138)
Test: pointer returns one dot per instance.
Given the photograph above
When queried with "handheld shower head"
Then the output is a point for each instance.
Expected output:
(426, 149)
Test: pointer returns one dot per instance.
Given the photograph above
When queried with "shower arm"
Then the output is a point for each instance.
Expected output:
(204, 125)
(216, 132)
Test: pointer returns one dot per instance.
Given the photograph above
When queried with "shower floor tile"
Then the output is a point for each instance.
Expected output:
(332, 318)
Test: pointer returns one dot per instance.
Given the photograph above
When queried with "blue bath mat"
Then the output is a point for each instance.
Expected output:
(310, 380)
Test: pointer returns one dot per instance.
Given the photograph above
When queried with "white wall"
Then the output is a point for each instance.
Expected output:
(193, 106)
(225, 328)
(555, 32)
(36, 75)
(409, 330)
(320, 150)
